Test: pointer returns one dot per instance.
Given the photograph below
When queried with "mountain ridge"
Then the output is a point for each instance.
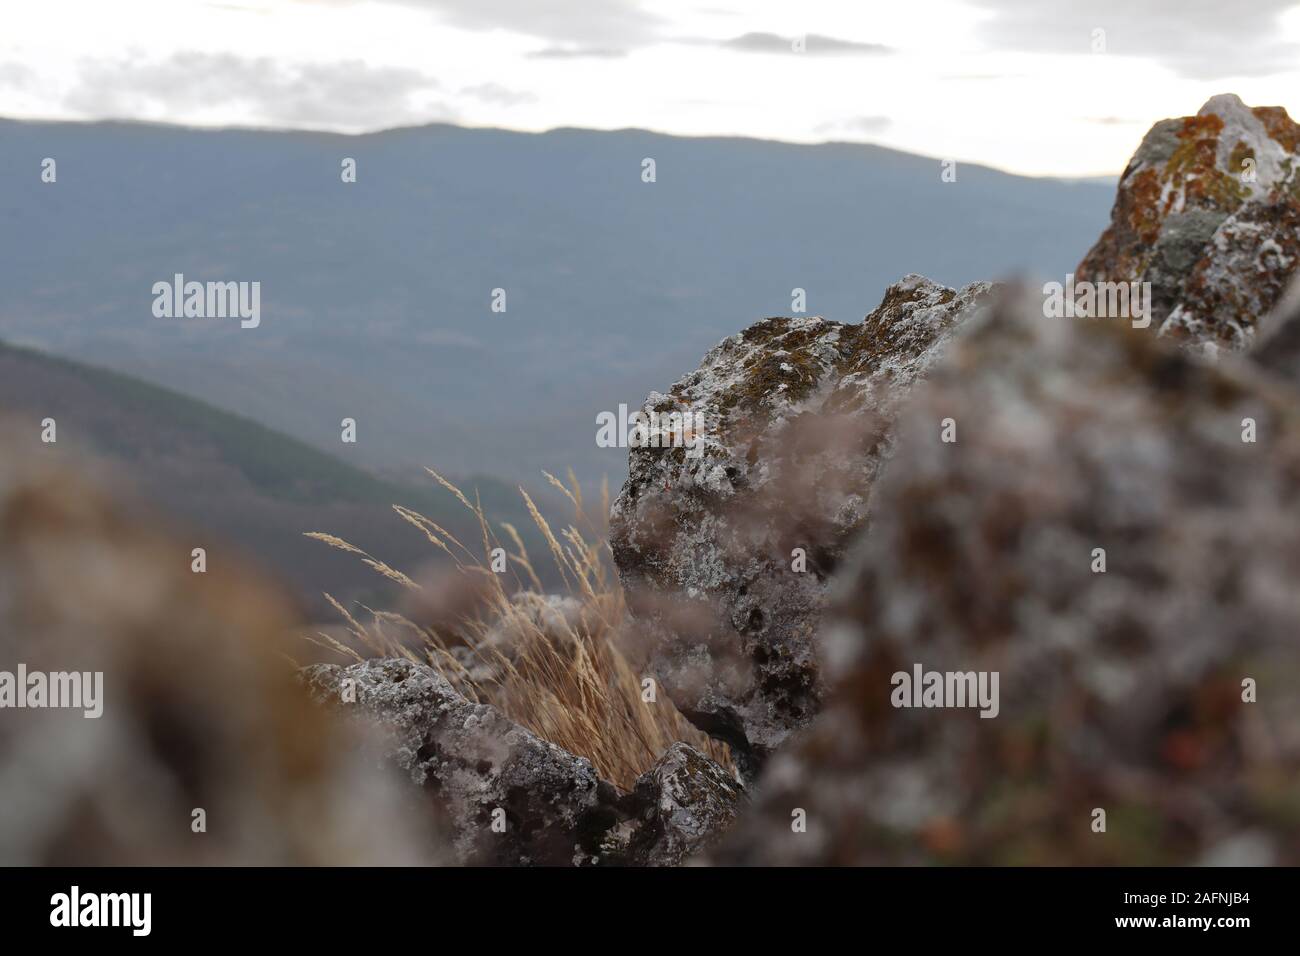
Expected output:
(377, 293)
(233, 482)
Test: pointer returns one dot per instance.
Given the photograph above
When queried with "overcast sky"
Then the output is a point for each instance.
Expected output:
(1012, 83)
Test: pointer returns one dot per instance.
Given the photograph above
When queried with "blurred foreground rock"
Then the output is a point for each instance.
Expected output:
(199, 711)
(511, 798)
(1278, 346)
(1080, 446)
(796, 413)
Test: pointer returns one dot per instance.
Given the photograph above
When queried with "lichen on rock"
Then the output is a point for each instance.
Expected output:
(1122, 684)
(725, 555)
(1208, 212)
(688, 802)
(506, 796)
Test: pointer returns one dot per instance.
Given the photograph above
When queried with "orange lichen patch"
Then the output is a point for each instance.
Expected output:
(1125, 245)
(1280, 126)
(1198, 146)
(1240, 153)
(1217, 188)
(1194, 162)
(1142, 202)
(1200, 141)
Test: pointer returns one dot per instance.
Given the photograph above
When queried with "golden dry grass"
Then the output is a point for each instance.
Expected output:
(571, 681)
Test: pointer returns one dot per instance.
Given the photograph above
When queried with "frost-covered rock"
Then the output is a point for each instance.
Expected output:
(725, 549)
(508, 797)
(688, 801)
(1105, 537)
(1208, 212)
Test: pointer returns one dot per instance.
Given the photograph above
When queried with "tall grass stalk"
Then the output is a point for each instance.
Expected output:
(574, 681)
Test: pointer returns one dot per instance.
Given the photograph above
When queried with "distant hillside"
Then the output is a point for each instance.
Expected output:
(238, 483)
(376, 295)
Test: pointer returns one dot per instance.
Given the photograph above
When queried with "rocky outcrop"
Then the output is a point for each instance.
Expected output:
(1208, 212)
(1112, 533)
(508, 797)
(202, 721)
(725, 548)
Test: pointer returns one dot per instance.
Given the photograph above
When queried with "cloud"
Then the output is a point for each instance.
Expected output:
(498, 95)
(857, 125)
(576, 53)
(982, 77)
(582, 23)
(814, 45)
(1198, 39)
(16, 76)
(346, 94)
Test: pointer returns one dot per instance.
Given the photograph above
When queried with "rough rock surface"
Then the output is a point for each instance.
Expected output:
(556, 811)
(796, 414)
(475, 761)
(1277, 348)
(199, 711)
(688, 801)
(1208, 211)
(1121, 689)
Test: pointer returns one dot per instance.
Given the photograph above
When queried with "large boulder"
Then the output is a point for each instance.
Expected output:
(1208, 212)
(506, 796)
(725, 547)
(1113, 533)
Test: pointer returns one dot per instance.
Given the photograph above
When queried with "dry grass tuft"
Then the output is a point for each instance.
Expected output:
(566, 675)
